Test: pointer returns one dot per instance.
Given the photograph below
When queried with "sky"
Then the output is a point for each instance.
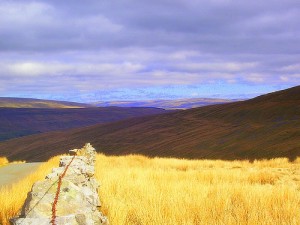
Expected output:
(136, 49)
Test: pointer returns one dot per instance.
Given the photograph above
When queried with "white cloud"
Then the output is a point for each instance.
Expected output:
(117, 69)
(35, 68)
(164, 77)
(29, 69)
(291, 68)
(271, 24)
(256, 77)
(284, 78)
(97, 24)
(41, 25)
(183, 55)
(218, 66)
(13, 14)
(291, 77)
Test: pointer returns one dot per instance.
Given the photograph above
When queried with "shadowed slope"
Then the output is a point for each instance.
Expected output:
(263, 127)
(16, 122)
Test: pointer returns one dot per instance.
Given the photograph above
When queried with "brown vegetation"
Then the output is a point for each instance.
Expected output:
(264, 127)
(16, 122)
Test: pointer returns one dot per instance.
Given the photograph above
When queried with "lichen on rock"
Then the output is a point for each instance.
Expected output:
(78, 200)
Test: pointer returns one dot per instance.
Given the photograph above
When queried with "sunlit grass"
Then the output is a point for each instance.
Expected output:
(3, 161)
(12, 197)
(140, 190)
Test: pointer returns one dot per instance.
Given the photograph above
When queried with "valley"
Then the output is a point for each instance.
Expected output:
(264, 127)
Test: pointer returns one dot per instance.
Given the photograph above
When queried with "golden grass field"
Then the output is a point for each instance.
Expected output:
(140, 190)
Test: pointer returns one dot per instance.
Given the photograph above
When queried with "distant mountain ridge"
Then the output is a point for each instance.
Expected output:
(167, 104)
(8, 102)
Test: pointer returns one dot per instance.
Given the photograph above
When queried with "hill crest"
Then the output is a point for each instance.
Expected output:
(10, 102)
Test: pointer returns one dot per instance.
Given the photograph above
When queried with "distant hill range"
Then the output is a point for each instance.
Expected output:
(17, 122)
(167, 104)
(38, 103)
(264, 127)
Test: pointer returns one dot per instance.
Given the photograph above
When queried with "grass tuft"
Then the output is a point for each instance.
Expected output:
(3, 161)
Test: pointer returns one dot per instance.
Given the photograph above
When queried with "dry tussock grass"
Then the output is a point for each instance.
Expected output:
(12, 197)
(140, 190)
(3, 161)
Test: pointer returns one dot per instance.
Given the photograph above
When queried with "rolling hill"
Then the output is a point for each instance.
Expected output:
(167, 104)
(17, 122)
(264, 127)
(8, 102)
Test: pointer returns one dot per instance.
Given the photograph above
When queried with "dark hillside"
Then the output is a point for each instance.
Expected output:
(17, 122)
(264, 127)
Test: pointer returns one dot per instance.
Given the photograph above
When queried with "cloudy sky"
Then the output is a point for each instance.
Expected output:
(137, 49)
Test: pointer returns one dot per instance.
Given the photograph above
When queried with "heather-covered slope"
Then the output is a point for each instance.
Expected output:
(263, 127)
(16, 122)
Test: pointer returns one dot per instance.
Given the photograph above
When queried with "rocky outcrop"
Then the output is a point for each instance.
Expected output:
(78, 200)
